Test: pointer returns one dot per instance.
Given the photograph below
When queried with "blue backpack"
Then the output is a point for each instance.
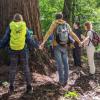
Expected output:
(62, 35)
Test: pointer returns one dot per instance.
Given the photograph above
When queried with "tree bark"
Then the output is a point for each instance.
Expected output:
(68, 10)
(28, 8)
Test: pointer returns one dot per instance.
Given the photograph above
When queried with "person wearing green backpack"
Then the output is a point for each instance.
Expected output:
(17, 37)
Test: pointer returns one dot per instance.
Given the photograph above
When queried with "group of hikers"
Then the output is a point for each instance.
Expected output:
(17, 37)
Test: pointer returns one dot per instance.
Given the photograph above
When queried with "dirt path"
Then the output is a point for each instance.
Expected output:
(46, 87)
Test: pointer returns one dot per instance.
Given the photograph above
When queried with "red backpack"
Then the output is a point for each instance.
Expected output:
(96, 39)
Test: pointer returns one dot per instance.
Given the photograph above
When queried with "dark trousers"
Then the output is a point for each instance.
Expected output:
(52, 51)
(77, 56)
(15, 56)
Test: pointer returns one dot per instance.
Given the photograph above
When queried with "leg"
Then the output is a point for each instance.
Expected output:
(66, 66)
(13, 68)
(24, 61)
(90, 54)
(52, 51)
(74, 56)
(77, 56)
(60, 67)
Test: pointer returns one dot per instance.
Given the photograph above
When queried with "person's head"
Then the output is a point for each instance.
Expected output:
(88, 26)
(76, 25)
(59, 16)
(17, 17)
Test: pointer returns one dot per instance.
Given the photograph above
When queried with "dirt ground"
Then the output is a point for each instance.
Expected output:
(45, 86)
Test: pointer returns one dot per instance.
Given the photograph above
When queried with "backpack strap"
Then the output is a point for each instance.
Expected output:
(90, 41)
(55, 31)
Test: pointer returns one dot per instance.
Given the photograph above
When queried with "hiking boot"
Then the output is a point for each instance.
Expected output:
(11, 90)
(79, 68)
(92, 76)
(65, 84)
(29, 89)
(62, 84)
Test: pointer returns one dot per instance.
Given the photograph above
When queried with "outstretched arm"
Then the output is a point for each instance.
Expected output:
(73, 34)
(6, 38)
(89, 36)
(49, 32)
(86, 39)
(82, 36)
(31, 41)
(75, 37)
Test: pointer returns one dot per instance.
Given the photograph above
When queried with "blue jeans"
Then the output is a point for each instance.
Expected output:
(62, 63)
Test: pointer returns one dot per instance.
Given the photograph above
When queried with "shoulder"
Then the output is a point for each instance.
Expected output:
(68, 27)
(11, 24)
(23, 22)
(53, 25)
(67, 24)
(89, 32)
(54, 22)
(80, 31)
(8, 29)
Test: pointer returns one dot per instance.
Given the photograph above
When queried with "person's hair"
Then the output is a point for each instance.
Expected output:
(78, 24)
(17, 17)
(59, 16)
(88, 25)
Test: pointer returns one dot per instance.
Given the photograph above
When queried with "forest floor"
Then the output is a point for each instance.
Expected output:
(45, 87)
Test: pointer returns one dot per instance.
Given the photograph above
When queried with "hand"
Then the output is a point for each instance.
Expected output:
(41, 46)
(81, 44)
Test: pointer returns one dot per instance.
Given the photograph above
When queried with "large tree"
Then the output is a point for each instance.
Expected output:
(68, 10)
(28, 8)
(30, 11)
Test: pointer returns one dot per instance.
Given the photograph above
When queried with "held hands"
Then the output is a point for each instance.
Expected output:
(41, 46)
(81, 44)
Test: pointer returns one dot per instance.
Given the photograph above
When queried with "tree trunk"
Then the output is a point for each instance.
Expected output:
(39, 62)
(28, 8)
(68, 10)
(69, 16)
